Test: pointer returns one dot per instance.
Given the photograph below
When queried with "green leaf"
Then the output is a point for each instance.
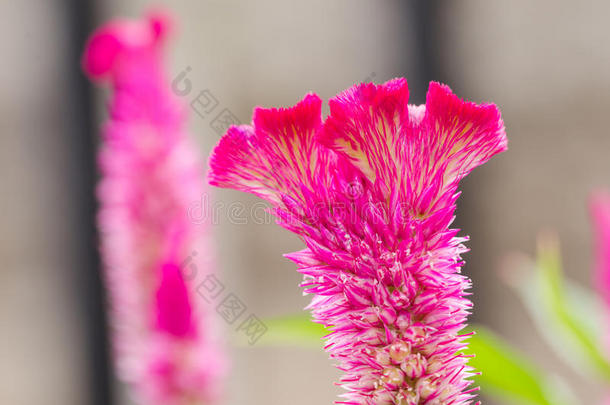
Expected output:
(293, 330)
(505, 373)
(567, 316)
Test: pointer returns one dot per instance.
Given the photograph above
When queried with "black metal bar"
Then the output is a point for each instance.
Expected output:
(83, 151)
(425, 20)
(429, 42)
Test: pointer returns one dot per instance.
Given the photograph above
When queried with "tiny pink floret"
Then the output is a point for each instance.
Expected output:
(165, 340)
(371, 191)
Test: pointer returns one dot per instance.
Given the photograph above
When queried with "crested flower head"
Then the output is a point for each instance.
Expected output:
(164, 339)
(371, 191)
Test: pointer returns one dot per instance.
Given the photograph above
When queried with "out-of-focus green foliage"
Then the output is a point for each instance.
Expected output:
(567, 316)
(505, 373)
(293, 330)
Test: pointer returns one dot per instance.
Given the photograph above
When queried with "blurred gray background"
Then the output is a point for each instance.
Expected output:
(546, 64)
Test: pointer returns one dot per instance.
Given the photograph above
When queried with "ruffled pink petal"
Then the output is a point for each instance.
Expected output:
(365, 124)
(273, 157)
(463, 134)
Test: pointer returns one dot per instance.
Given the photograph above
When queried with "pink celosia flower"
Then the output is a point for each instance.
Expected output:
(371, 191)
(164, 341)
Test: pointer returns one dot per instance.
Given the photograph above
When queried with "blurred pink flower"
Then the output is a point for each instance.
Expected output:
(371, 191)
(165, 343)
(600, 214)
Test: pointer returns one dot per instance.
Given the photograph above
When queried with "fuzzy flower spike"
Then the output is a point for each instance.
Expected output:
(164, 339)
(371, 191)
